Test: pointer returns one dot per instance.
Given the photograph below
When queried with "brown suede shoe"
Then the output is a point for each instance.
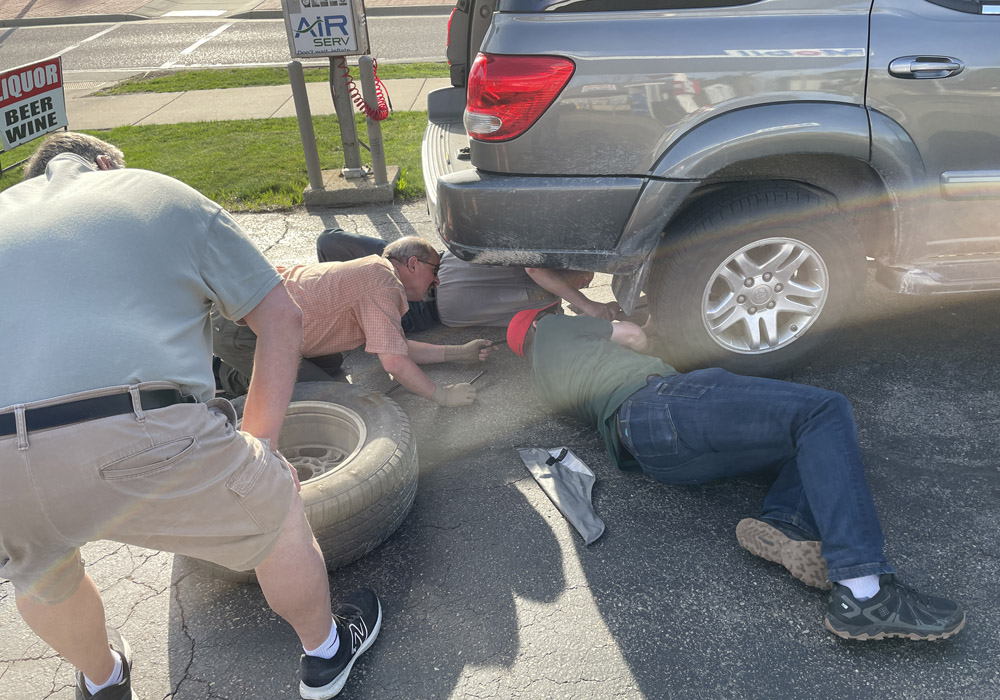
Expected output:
(802, 558)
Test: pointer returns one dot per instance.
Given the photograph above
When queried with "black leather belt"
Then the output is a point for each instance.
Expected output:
(91, 409)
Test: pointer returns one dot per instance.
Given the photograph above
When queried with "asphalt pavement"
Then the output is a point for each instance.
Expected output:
(489, 593)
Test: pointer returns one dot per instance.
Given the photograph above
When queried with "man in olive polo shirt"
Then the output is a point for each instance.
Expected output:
(818, 519)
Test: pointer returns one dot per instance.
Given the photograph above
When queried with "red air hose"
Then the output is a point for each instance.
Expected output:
(377, 113)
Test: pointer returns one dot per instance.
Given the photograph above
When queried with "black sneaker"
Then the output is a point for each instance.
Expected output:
(895, 611)
(358, 618)
(122, 690)
(802, 558)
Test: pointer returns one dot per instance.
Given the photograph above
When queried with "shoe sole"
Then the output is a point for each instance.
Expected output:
(802, 559)
(916, 636)
(334, 687)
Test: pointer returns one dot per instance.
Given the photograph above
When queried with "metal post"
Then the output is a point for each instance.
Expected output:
(365, 67)
(304, 116)
(345, 118)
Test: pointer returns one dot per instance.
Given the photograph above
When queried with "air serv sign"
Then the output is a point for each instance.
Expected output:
(326, 27)
(31, 102)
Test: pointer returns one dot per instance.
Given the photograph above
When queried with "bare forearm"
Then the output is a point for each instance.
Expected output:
(277, 322)
(557, 282)
(275, 367)
(630, 335)
(408, 374)
(554, 282)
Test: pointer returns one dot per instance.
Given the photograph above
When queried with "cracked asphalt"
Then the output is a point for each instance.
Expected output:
(489, 593)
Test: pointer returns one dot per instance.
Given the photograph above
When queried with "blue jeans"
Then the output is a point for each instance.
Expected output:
(708, 424)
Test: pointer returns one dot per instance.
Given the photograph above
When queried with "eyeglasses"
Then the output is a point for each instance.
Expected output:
(436, 266)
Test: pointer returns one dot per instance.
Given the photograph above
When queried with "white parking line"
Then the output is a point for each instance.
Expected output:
(195, 45)
(84, 41)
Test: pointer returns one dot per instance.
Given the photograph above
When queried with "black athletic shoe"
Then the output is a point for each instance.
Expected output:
(895, 611)
(121, 690)
(359, 619)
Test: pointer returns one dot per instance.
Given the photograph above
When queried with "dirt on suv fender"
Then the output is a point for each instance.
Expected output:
(734, 160)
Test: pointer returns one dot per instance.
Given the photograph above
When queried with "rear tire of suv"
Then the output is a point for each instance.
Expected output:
(754, 279)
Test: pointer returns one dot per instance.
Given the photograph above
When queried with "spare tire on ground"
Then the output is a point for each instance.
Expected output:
(357, 463)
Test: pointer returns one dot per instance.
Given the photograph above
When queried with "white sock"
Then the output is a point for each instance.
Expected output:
(115, 677)
(863, 587)
(327, 649)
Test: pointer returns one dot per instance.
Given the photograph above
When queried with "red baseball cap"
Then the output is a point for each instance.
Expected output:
(518, 327)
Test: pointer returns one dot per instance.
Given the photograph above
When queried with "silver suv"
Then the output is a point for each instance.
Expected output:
(736, 160)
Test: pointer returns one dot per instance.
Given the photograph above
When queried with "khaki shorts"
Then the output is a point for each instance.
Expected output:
(180, 479)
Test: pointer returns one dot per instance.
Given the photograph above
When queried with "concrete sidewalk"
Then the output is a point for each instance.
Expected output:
(23, 13)
(87, 112)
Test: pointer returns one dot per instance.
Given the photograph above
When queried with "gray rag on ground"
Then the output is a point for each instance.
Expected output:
(567, 481)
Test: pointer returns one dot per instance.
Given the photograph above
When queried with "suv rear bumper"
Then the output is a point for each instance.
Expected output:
(606, 224)
(602, 223)
(536, 221)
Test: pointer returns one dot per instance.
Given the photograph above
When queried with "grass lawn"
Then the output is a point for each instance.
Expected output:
(252, 164)
(184, 80)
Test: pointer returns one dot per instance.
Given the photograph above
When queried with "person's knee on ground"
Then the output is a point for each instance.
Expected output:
(332, 364)
(230, 380)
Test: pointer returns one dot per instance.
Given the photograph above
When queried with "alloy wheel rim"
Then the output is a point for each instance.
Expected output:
(318, 437)
(765, 295)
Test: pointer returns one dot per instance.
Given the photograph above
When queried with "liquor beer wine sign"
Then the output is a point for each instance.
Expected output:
(31, 102)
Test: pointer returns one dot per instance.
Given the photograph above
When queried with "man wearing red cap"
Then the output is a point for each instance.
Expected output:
(818, 518)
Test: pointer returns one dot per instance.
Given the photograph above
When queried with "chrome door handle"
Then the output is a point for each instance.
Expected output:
(925, 67)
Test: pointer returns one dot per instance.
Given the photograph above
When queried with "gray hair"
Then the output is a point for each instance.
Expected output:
(409, 246)
(89, 147)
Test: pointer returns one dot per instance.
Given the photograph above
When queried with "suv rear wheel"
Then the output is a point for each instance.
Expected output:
(754, 279)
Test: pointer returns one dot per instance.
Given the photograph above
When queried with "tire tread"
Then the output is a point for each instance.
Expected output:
(349, 523)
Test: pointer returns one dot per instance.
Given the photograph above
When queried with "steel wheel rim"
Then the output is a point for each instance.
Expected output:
(318, 437)
(765, 295)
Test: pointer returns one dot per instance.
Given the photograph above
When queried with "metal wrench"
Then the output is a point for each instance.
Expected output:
(397, 384)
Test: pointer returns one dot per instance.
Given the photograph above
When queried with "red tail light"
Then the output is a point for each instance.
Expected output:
(447, 41)
(507, 94)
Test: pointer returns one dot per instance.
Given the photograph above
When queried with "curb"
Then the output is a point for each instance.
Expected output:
(69, 19)
(400, 11)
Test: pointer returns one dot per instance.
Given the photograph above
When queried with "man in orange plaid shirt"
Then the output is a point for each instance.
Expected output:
(349, 304)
